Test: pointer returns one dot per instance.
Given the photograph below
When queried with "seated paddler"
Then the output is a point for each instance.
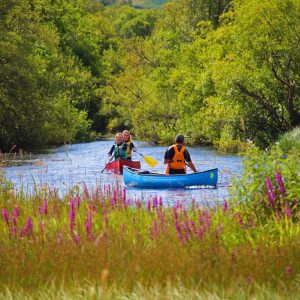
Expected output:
(177, 157)
(118, 149)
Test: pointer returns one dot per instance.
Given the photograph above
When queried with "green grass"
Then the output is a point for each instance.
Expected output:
(89, 291)
(192, 252)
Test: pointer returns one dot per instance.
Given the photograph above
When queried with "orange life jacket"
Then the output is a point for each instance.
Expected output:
(178, 161)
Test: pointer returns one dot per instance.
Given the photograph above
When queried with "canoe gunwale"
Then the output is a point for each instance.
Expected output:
(140, 173)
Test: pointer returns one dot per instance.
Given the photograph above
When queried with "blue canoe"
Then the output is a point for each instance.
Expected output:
(145, 179)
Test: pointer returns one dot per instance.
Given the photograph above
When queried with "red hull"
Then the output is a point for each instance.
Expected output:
(117, 165)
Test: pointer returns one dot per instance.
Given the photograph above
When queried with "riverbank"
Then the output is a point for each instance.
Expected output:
(102, 243)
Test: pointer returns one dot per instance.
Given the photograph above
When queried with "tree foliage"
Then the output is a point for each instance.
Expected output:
(219, 71)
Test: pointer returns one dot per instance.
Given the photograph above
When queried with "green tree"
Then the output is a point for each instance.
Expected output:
(256, 64)
(36, 102)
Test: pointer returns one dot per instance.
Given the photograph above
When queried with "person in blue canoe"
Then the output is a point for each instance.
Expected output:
(177, 157)
(119, 148)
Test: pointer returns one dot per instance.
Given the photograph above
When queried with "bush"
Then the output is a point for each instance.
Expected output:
(290, 140)
(269, 184)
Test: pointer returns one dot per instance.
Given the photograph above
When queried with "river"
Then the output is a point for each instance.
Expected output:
(64, 167)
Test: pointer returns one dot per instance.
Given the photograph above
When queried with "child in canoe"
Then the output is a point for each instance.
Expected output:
(119, 148)
(130, 146)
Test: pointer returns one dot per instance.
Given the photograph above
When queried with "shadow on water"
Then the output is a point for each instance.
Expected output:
(67, 166)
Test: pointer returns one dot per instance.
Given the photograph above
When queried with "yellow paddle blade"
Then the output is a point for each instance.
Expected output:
(150, 161)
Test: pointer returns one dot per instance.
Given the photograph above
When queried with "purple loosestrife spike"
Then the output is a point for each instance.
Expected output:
(160, 202)
(27, 229)
(207, 221)
(124, 194)
(271, 197)
(72, 215)
(14, 230)
(154, 200)
(77, 239)
(148, 205)
(40, 209)
(46, 207)
(192, 224)
(175, 213)
(225, 206)
(185, 214)
(5, 216)
(138, 204)
(88, 223)
(187, 228)
(15, 211)
(160, 216)
(269, 184)
(178, 230)
(155, 226)
(270, 192)
(279, 182)
(200, 232)
(14, 220)
(287, 211)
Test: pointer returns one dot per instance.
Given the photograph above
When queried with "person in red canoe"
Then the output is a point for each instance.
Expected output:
(177, 156)
(118, 149)
(130, 146)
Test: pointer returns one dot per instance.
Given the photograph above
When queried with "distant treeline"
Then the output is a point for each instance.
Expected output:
(219, 71)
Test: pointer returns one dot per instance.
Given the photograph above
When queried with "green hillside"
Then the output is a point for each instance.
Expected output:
(148, 3)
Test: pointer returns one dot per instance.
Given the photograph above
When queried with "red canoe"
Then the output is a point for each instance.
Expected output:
(117, 165)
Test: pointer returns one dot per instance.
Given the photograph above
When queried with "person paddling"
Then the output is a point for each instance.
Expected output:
(130, 146)
(177, 156)
(118, 149)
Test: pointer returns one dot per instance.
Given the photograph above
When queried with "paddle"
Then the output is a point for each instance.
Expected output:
(107, 164)
(189, 166)
(149, 160)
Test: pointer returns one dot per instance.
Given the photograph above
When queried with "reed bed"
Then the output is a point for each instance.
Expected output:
(100, 244)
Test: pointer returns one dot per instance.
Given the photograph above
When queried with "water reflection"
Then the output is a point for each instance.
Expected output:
(64, 167)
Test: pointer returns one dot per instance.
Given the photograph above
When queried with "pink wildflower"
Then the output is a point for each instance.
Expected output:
(88, 223)
(27, 229)
(5, 216)
(76, 239)
(72, 215)
(225, 206)
(287, 210)
(270, 192)
(279, 182)
(45, 207)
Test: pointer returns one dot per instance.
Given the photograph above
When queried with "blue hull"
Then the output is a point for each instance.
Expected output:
(136, 178)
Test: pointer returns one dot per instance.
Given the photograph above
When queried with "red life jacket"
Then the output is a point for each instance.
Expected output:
(178, 161)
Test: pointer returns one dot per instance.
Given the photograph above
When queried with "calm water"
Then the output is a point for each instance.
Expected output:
(79, 164)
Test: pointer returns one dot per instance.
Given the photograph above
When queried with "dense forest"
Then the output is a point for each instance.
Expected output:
(218, 71)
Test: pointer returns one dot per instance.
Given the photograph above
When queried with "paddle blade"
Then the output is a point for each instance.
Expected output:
(150, 161)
